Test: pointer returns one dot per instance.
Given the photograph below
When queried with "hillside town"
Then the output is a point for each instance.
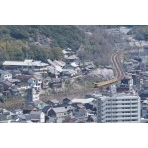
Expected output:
(43, 88)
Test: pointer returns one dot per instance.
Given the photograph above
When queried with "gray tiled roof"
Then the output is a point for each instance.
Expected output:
(59, 109)
(54, 101)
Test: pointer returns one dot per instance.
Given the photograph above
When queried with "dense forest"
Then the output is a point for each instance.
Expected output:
(42, 42)
(38, 42)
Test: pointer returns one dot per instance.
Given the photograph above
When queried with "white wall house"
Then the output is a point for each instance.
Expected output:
(4, 75)
(40, 114)
(59, 112)
(35, 83)
(118, 108)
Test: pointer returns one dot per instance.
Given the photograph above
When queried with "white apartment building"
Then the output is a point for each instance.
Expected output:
(118, 108)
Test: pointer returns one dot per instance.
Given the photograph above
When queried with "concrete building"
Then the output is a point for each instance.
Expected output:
(118, 108)
(31, 96)
(27, 64)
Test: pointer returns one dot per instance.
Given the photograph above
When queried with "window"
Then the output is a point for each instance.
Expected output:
(114, 99)
(134, 115)
(126, 120)
(134, 111)
(134, 119)
(108, 120)
(114, 116)
(134, 103)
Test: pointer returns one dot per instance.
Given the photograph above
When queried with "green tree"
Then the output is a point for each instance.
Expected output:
(56, 53)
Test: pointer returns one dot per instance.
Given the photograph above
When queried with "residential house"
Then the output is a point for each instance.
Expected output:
(69, 120)
(87, 65)
(71, 59)
(54, 68)
(22, 86)
(53, 102)
(45, 83)
(59, 63)
(35, 82)
(56, 83)
(7, 84)
(67, 52)
(40, 104)
(5, 75)
(15, 91)
(28, 108)
(23, 77)
(80, 115)
(18, 111)
(54, 72)
(59, 112)
(50, 119)
(15, 73)
(5, 115)
(68, 72)
(37, 116)
(45, 110)
(65, 101)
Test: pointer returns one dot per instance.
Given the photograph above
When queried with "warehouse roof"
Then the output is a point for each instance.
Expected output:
(83, 101)
(24, 63)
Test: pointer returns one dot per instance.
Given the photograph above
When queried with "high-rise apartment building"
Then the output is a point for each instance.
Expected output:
(118, 108)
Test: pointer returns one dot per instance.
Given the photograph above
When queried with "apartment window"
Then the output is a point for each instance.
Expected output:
(114, 116)
(126, 120)
(115, 100)
(126, 112)
(126, 103)
(126, 116)
(108, 112)
(134, 116)
(127, 108)
(134, 103)
(114, 120)
(134, 107)
(107, 116)
(134, 111)
(134, 119)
